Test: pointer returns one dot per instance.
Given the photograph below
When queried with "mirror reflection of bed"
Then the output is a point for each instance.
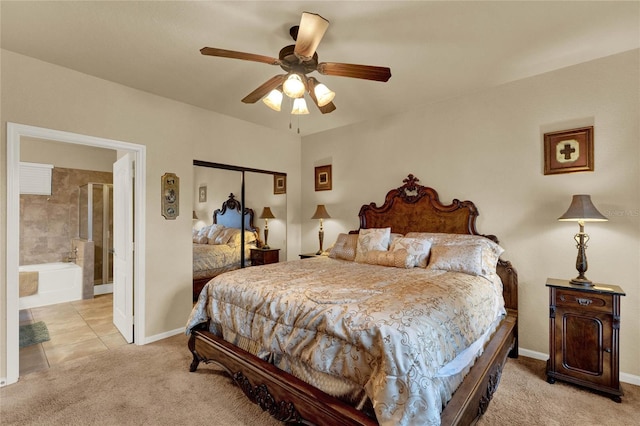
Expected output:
(217, 248)
(219, 193)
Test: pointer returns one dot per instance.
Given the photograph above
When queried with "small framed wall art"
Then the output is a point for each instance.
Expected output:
(568, 151)
(170, 196)
(279, 184)
(323, 178)
(202, 194)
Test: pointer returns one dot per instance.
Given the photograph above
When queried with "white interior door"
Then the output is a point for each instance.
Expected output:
(123, 246)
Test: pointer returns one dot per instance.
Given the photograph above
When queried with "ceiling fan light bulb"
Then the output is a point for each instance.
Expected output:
(273, 100)
(323, 94)
(293, 86)
(299, 107)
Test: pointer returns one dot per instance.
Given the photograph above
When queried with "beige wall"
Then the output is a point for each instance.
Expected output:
(44, 95)
(487, 147)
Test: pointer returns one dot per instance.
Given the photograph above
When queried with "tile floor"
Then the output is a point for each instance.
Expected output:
(76, 329)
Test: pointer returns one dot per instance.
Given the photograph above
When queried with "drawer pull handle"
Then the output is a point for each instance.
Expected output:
(607, 350)
(583, 302)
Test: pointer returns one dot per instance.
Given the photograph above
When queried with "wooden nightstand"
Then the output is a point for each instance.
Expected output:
(584, 328)
(264, 256)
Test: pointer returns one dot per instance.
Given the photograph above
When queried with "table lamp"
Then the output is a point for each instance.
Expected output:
(582, 210)
(266, 215)
(321, 213)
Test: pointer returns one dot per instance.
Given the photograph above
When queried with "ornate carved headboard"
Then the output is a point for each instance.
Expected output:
(416, 208)
(229, 215)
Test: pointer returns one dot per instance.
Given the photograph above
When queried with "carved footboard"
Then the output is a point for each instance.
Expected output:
(284, 396)
(289, 399)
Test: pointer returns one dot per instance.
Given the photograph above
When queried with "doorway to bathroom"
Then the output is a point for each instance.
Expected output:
(132, 156)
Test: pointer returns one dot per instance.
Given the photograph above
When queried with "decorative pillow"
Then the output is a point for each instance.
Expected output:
(399, 258)
(225, 235)
(417, 249)
(490, 250)
(345, 247)
(199, 233)
(394, 236)
(234, 239)
(201, 239)
(214, 231)
(458, 258)
(372, 239)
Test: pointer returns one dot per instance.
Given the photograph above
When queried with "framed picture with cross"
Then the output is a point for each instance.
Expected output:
(568, 151)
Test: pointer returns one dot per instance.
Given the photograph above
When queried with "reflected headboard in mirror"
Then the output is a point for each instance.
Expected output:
(229, 215)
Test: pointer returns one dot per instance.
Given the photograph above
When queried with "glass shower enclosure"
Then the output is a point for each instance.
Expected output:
(95, 214)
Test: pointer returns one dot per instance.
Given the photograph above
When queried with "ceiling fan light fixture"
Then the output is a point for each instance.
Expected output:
(273, 100)
(293, 86)
(323, 94)
(299, 107)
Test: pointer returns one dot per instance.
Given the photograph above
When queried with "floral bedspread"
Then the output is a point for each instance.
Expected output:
(389, 330)
(210, 260)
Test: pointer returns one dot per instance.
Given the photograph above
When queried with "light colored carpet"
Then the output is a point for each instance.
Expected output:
(151, 385)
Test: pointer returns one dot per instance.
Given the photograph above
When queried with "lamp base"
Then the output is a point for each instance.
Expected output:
(265, 247)
(319, 252)
(582, 281)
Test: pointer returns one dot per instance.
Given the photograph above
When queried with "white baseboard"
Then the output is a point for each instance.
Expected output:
(624, 377)
(155, 338)
(102, 289)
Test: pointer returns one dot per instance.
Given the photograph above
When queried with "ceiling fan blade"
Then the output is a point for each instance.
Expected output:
(212, 51)
(330, 107)
(311, 31)
(367, 72)
(266, 87)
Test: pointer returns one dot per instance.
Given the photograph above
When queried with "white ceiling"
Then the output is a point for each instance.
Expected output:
(436, 50)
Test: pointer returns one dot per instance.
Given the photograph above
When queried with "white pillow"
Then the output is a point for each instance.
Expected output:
(417, 249)
(371, 239)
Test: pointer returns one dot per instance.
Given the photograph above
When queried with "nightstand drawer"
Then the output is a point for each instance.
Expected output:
(577, 299)
(264, 256)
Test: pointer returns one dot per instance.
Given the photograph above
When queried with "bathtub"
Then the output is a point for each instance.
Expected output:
(57, 283)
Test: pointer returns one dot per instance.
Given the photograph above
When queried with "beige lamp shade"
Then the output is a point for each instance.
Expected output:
(267, 213)
(582, 210)
(321, 213)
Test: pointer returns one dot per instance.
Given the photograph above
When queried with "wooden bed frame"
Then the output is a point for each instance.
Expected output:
(411, 207)
(230, 216)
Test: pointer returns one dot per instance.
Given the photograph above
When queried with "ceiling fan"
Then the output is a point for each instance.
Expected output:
(298, 60)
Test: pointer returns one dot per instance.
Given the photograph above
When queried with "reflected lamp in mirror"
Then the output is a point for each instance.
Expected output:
(582, 210)
(266, 215)
(321, 213)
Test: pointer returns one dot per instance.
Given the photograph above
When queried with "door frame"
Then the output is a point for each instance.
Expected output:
(14, 133)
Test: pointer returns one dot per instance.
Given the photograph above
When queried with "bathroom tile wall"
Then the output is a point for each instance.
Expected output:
(48, 223)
